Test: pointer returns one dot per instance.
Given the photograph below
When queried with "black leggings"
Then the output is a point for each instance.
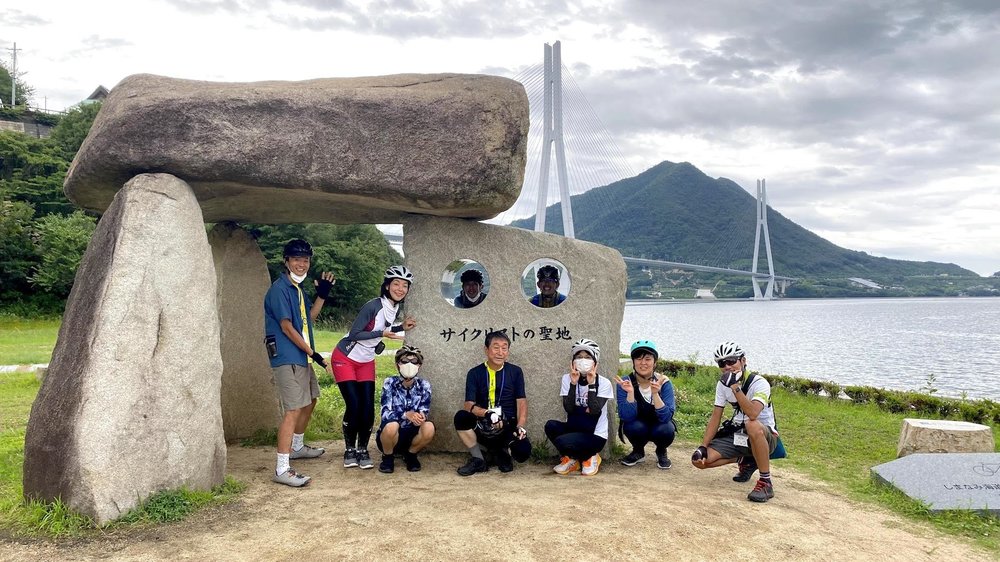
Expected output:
(359, 414)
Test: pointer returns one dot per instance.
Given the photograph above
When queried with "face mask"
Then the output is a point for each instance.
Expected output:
(297, 278)
(583, 365)
(409, 370)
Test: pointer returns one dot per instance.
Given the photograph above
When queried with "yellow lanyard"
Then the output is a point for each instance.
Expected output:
(305, 322)
(493, 385)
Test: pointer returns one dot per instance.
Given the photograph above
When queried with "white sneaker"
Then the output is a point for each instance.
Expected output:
(591, 465)
(566, 466)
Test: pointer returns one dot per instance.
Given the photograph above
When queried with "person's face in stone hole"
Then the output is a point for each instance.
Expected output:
(548, 287)
(472, 289)
(299, 265)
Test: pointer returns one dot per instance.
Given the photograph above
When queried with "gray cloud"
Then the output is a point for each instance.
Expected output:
(14, 18)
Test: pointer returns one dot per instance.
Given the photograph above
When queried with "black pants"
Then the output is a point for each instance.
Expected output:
(359, 412)
(639, 432)
(519, 449)
(571, 442)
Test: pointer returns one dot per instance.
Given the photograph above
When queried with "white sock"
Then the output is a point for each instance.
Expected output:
(297, 441)
(282, 465)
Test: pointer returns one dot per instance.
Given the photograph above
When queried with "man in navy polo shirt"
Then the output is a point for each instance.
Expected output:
(495, 410)
(288, 336)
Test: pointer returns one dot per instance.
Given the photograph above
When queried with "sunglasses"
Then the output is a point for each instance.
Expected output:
(728, 362)
(408, 361)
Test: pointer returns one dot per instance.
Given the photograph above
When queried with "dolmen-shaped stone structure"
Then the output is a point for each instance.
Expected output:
(156, 365)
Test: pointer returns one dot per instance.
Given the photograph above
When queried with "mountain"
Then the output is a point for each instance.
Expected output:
(674, 212)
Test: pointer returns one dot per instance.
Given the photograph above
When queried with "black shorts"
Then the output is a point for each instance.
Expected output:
(406, 436)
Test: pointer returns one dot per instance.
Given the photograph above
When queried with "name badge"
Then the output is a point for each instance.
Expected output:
(740, 440)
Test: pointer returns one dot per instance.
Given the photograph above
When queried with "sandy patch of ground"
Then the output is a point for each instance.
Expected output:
(638, 513)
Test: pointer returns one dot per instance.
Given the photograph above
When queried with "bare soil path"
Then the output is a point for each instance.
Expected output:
(638, 513)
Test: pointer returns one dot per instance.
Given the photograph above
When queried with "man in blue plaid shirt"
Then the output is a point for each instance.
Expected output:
(406, 402)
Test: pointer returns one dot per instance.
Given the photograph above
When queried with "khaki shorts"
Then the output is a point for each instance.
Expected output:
(729, 450)
(297, 385)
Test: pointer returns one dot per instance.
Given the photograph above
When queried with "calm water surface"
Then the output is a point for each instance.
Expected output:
(891, 343)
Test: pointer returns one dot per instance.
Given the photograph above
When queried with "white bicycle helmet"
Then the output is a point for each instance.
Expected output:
(398, 272)
(727, 350)
(590, 346)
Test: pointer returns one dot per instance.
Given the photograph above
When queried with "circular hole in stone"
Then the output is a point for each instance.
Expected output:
(545, 282)
(465, 283)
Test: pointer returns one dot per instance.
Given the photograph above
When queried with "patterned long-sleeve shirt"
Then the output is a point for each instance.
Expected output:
(397, 399)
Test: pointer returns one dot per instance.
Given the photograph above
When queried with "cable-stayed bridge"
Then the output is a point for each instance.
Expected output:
(571, 152)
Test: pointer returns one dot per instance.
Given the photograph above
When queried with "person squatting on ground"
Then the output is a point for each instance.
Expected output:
(406, 403)
(288, 337)
(495, 411)
(750, 432)
(472, 289)
(585, 394)
(353, 361)
(646, 415)
(548, 283)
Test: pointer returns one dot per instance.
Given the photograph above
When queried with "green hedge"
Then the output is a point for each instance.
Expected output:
(896, 401)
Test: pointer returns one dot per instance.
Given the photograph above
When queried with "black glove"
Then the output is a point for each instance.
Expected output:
(318, 359)
(323, 289)
(700, 453)
(729, 379)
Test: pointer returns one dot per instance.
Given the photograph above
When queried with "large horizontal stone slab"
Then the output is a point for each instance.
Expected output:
(946, 480)
(334, 150)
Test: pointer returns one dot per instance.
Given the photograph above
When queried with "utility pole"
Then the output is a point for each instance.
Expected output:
(13, 77)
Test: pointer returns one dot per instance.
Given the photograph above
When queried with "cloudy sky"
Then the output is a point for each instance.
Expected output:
(876, 123)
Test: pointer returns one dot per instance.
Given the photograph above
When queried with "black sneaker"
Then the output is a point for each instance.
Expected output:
(504, 462)
(364, 459)
(412, 462)
(472, 466)
(388, 464)
(662, 461)
(633, 458)
(350, 458)
(762, 492)
(747, 466)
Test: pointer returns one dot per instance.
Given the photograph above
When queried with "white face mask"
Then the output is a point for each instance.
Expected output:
(408, 370)
(583, 365)
(297, 278)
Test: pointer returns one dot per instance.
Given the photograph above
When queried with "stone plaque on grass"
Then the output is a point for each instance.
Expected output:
(946, 481)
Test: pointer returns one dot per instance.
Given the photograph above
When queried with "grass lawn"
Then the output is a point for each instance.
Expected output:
(834, 441)
(24, 342)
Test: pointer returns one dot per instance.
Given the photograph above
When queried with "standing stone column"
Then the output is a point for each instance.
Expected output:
(249, 398)
(130, 405)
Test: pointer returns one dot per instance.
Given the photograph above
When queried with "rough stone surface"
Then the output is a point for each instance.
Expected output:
(130, 405)
(249, 397)
(593, 308)
(336, 150)
(943, 436)
(946, 481)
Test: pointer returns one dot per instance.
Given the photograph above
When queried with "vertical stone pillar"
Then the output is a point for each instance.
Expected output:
(452, 339)
(130, 405)
(249, 398)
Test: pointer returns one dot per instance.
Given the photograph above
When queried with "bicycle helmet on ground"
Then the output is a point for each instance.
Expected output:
(590, 346)
(727, 350)
(644, 346)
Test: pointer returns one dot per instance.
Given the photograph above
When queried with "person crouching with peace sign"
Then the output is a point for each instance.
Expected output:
(646, 406)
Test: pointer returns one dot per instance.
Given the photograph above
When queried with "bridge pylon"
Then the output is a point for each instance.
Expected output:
(768, 292)
(552, 136)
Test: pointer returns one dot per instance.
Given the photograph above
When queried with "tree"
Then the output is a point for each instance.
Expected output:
(17, 255)
(32, 170)
(60, 241)
(68, 135)
(25, 92)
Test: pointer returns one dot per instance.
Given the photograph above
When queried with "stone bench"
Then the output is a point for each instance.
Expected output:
(943, 436)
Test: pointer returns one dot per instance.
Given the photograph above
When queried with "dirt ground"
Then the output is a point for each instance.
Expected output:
(638, 513)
